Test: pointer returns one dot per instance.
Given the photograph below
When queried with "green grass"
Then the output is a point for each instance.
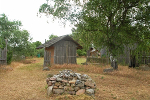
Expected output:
(31, 67)
(81, 60)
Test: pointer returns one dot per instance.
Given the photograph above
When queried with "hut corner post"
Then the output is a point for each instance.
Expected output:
(6, 51)
(45, 56)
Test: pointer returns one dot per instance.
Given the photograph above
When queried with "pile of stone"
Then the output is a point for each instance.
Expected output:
(69, 82)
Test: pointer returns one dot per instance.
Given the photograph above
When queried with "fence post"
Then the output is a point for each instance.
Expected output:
(6, 52)
(45, 58)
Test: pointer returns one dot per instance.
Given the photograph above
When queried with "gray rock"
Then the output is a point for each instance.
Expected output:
(84, 76)
(90, 91)
(59, 79)
(81, 84)
(58, 91)
(56, 76)
(46, 68)
(90, 84)
(78, 76)
(53, 82)
(108, 70)
(49, 90)
(53, 79)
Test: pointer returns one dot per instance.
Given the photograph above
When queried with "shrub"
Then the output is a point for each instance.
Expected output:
(9, 57)
(81, 52)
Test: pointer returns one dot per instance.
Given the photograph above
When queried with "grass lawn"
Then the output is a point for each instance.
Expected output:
(81, 60)
(27, 81)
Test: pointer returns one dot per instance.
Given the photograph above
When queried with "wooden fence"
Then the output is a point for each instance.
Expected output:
(3, 56)
(123, 60)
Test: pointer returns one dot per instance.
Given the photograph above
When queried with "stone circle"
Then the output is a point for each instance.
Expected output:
(69, 82)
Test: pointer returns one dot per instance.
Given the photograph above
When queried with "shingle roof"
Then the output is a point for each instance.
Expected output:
(57, 39)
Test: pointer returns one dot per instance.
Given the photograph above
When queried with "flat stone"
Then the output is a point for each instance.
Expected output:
(90, 91)
(90, 84)
(84, 76)
(49, 83)
(55, 87)
(108, 70)
(56, 76)
(53, 82)
(49, 90)
(46, 68)
(59, 79)
(58, 91)
(65, 81)
(61, 87)
(57, 84)
(72, 81)
(68, 88)
(81, 91)
(78, 76)
(53, 79)
(70, 92)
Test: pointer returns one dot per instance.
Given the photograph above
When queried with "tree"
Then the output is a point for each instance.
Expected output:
(52, 36)
(39, 51)
(106, 23)
(18, 40)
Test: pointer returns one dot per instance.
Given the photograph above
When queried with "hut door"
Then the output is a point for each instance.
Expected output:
(47, 57)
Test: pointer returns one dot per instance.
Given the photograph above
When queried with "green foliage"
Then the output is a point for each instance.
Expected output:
(52, 36)
(81, 52)
(105, 23)
(41, 52)
(9, 57)
(19, 41)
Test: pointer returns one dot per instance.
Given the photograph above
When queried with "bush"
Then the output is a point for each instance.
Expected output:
(9, 57)
(81, 52)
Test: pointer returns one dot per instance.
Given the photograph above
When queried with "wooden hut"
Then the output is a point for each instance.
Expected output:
(60, 50)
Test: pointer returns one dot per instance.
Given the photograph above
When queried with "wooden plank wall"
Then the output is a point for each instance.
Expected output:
(47, 56)
(65, 52)
(3, 56)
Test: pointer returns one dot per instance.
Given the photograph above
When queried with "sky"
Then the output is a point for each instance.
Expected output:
(39, 27)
